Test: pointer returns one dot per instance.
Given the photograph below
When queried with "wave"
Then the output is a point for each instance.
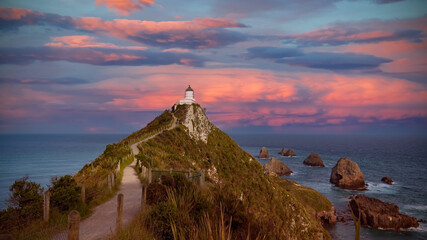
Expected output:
(415, 207)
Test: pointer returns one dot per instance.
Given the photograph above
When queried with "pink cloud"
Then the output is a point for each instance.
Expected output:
(14, 13)
(199, 33)
(125, 7)
(86, 41)
(243, 97)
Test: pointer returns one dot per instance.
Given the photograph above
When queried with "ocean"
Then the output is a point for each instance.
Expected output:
(403, 158)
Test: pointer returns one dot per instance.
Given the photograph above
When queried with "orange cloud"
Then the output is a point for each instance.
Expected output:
(125, 7)
(15, 13)
(199, 33)
(243, 97)
(86, 41)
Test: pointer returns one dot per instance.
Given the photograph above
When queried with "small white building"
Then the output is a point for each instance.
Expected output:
(189, 97)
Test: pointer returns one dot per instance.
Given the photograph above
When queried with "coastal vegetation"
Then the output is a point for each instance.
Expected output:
(238, 201)
(238, 198)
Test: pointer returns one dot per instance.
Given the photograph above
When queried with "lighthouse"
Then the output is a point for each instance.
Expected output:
(189, 97)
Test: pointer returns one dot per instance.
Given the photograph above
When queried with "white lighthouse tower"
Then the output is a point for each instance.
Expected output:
(189, 97)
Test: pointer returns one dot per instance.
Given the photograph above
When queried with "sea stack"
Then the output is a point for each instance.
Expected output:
(346, 174)
(283, 151)
(290, 153)
(314, 160)
(378, 214)
(263, 153)
(387, 180)
(277, 167)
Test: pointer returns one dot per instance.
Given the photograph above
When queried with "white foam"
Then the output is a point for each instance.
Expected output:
(381, 187)
(415, 207)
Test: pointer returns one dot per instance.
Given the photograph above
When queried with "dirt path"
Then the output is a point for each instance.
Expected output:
(102, 223)
(134, 146)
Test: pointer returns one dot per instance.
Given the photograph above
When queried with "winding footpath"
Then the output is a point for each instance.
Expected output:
(102, 223)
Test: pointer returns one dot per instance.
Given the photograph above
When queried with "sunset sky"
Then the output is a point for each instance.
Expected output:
(308, 66)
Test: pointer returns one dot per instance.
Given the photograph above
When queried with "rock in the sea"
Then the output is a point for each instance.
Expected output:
(290, 153)
(283, 151)
(378, 214)
(263, 153)
(277, 167)
(314, 160)
(346, 174)
(326, 217)
(387, 180)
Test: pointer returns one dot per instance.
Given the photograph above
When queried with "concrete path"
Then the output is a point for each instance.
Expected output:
(102, 223)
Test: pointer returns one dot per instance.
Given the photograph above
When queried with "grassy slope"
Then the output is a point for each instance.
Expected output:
(280, 207)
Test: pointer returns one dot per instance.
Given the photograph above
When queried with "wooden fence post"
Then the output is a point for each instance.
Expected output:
(73, 225)
(149, 174)
(109, 181)
(202, 177)
(143, 197)
(119, 211)
(46, 208)
(83, 193)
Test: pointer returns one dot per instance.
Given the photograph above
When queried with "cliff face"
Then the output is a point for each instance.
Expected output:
(273, 205)
(198, 125)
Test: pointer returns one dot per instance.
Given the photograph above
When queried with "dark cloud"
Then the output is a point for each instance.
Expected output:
(199, 33)
(337, 35)
(44, 81)
(322, 60)
(273, 52)
(12, 18)
(207, 38)
(386, 1)
(255, 6)
(96, 56)
(335, 61)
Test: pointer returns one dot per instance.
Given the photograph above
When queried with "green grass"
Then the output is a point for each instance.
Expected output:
(277, 209)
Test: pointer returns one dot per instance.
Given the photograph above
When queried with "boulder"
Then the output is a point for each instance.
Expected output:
(314, 160)
(290, 153)
(283, 151)
(277, 167)
(346, 174)
(378, 214)
(263, 153)
(326, 217)
(387, 180)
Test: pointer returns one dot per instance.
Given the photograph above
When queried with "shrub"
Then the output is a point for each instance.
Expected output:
(24, 205)
(27, 198)
(156, 193)
(65, 194)
(160, 219)
(168, 181)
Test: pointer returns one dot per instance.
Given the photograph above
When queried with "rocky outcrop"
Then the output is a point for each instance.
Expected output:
(290, 153)
(277, 167)
(387, 180)
(346, 174)
(378, 214)
(314, 160)
(197, 123)
(326, 217)
(263, 153)
(283, 151)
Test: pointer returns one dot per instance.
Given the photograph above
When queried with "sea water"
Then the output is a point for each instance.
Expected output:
(403, 158)
(42, 157)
